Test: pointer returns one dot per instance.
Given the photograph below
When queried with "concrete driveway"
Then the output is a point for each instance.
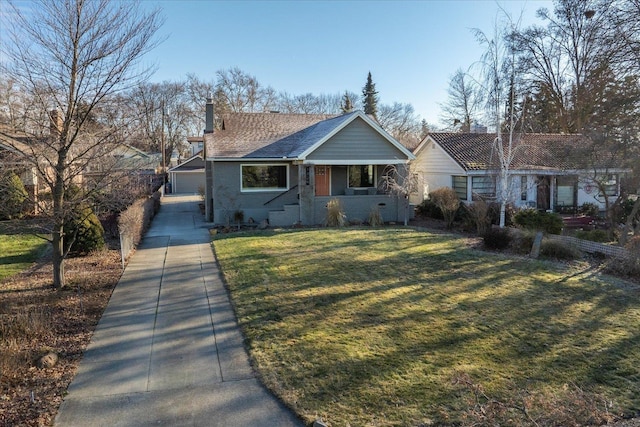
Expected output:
(168, 350)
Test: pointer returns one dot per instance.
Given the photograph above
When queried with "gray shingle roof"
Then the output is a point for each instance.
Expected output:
(265, 135)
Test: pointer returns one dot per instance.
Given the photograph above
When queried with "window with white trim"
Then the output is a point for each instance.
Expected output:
(265, 177)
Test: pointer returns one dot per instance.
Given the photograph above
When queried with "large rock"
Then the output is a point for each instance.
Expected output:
(49, 360)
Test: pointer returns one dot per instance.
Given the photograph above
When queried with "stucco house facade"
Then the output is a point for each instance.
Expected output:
(548, 171)
(284, 168)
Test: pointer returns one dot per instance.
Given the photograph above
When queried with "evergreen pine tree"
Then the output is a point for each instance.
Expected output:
(370, 97)
(347, 105)
(13, 196)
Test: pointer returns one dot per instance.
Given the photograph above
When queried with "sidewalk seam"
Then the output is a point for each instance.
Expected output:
(213, 327)
(155, 318)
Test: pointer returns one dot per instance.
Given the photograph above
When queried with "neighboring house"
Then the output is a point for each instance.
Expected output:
(14, 151)
(132, 167)
(549, 171)
(100, 165)
(188, 177)
(196, 144)
(285, 168)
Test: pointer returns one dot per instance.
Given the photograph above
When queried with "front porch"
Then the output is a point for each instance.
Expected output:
(357, 209)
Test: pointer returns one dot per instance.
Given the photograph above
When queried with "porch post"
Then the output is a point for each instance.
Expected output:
(306, 193)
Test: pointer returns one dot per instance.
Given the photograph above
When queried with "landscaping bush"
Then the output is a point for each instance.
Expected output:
(532, 219)
(625, 210)
(84, 232)
(478, 215)
(335, 214)
(559, 250)
(13, 196)
(494, 214)
(589, 209)
(593, 235)
(627, 266)
(428, 209)
(497, 238)
(447, 201)
(135, 220)
(375, 218)
(522, 241)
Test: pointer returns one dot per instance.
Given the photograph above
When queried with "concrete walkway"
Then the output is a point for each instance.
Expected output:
(168, 350)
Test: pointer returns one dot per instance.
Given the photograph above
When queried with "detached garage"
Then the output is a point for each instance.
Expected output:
(187, 177)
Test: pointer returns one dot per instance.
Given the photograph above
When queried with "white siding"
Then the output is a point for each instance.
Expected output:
(434, 167)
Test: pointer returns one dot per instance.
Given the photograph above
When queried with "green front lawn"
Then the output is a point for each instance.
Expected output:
(388, 327)
(18, 251)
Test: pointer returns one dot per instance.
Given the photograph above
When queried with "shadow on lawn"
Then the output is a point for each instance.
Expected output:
(419, 307)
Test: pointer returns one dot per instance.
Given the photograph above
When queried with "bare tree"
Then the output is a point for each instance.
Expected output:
(401, 121)
(166, 114)
(569, 61)
(401, 181)
(241, 92)
(464, 103)
(502, 94)
(198, 91)
(73, 56)
(308, 103)
(584, 72)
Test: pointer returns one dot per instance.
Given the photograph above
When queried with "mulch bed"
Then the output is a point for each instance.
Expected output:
(36, 319)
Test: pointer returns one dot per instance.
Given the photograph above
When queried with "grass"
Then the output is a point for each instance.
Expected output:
(18, 251)
(386, 327)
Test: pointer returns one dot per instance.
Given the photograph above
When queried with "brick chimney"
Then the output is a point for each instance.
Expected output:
(55, 123)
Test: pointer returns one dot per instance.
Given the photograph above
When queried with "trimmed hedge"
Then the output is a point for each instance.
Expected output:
(136, 219)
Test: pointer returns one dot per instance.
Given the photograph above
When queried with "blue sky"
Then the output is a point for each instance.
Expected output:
(411, 47)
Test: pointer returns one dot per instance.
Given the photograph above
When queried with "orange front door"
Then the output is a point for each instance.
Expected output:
(322, 180)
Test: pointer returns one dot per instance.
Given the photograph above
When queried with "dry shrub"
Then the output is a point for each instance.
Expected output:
(633, 246)
(131, 221)
(497, 238)
(447, 201)
(559, 250)
(628, 266)
(522, 241)
(479, 213)
(26, 322)
(17, 329)
(135, 220)
(569, 406)
(375, 217)
(335, 214)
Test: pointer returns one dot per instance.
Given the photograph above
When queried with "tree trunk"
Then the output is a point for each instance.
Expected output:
(503, 215)
(629, 223)
(57, 236)
(406, 210)
(58, 258)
